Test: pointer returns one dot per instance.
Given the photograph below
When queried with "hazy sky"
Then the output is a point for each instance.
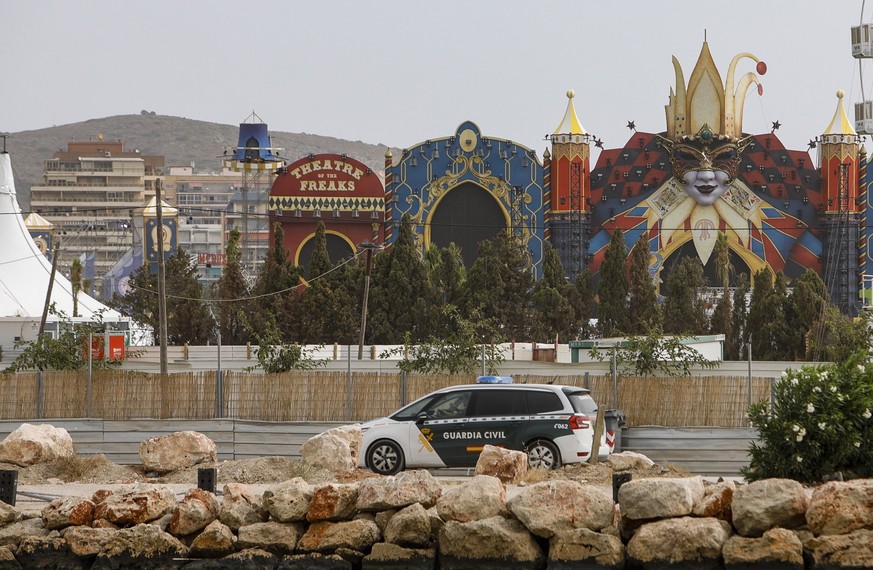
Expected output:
(399, 72)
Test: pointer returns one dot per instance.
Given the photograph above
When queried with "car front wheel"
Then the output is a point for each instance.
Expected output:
(543, 454)
(385, 457)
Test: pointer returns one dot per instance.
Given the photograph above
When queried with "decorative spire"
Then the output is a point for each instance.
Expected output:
(570, 124)
(705, 102)
(840, 124)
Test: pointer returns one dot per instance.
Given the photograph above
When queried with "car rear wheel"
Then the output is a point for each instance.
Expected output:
(385, 457)
(543, 454)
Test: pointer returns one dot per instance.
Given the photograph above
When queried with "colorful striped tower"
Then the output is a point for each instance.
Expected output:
(569, 190)
(547, 193)
(389, 196)
(863, 254)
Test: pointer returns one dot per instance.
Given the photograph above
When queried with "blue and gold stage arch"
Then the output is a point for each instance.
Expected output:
(466, 188)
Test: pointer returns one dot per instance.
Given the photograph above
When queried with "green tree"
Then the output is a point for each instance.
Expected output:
(612, 291)
(498, 287)
(554, 315)
(722, 316)
(232, 292)
(459, 351)
(642, 296)
(835, 337)
(735, 347)
(651, 354)
(770, 333)
(402, 292)
(188, 318)
(582, 299)
(326, 303)
(684, 310)
(278, 289)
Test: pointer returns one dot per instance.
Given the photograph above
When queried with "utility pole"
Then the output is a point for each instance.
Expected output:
(162, 297)
(370, 247)
(48, 294)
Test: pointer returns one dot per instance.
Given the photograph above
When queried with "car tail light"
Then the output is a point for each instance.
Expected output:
(580, 421)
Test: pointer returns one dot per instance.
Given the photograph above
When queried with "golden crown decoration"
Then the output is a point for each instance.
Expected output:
(705, 102)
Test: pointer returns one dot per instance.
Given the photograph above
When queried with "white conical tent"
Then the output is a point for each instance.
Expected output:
(25, 271)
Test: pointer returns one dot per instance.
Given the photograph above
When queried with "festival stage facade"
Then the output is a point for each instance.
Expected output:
(701, 177)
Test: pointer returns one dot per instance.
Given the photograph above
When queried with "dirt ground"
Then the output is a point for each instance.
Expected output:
(97, 469)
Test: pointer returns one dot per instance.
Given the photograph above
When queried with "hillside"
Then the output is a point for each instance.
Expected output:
(178, 139)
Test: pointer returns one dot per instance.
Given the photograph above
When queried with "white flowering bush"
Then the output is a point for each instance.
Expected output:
(820, 423)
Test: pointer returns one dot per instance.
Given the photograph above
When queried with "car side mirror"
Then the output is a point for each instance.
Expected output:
(422, 417)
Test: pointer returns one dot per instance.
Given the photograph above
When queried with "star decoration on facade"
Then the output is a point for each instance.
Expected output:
(631, 125)
(776, 126)
(811, 144)
(598, 143)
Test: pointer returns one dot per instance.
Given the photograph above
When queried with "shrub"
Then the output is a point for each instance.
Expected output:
(820, 423)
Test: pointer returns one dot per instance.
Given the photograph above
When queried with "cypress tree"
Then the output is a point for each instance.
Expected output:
(684, 311)
(582, 299)
(612, 316)
(279, 289)
(736, 344)
(642, 295)
(233, 291)
(553, 310)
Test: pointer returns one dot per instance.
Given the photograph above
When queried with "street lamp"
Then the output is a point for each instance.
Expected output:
(370, 247)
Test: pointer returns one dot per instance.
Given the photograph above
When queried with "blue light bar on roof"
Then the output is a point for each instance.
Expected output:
(494, 380)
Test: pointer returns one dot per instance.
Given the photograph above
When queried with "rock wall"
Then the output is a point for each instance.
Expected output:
(412, 521)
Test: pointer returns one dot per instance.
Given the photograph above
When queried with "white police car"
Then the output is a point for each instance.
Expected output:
(553, 424)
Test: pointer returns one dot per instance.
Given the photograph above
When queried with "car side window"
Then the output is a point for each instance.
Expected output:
(450, 406)
(544, 402)
(493, 402)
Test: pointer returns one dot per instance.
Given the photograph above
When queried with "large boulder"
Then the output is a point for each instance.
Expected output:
(8, 513)
(288, 501)
(240, 506)
(387, 555)
(134, 505)
(337, 450)
(717, 501)
(508, 465)
(481, 497)
(398, 491)
(654, 498)
(140, 546)
(215, 541)
(627, 460)
(193, 513)
(841, 507)
(684, 542)
(409, 527)
(778, 548)
(68, 511)
(488, 543)
(328, 537)
(176, 451)
(30, 444)
(43, 552)
(332, 502)
(12, 534)
(84, 541)
(853, 550)
(279, 538)
(551, 507)
(583, 548)
(769, 503)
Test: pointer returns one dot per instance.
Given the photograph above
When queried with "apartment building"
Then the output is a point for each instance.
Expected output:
(89, 192)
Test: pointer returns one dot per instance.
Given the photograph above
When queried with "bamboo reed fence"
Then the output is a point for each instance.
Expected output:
(318, 396)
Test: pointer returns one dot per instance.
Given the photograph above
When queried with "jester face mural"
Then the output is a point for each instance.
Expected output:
(705, 164)
(703, 176)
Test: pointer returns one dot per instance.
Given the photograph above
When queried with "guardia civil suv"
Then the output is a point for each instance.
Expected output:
(553, 424)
